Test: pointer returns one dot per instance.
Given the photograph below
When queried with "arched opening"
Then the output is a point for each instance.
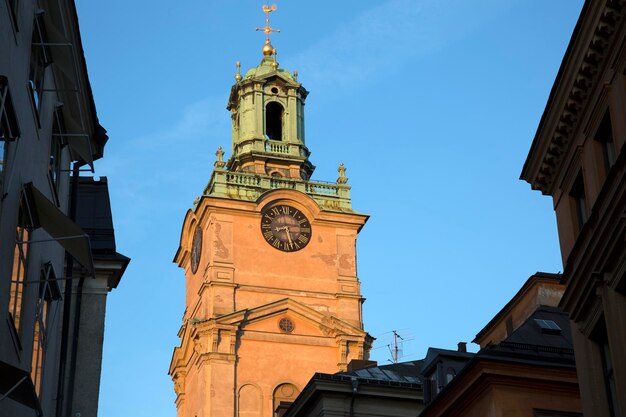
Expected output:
(250, 401)
(284, 395)
(274, 121)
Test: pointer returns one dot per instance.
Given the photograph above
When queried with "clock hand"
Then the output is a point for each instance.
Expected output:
(288, 235)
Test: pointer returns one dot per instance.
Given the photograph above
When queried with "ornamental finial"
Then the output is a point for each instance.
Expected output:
(342, 174)
(268, 49)
(220, 158)
(238, 76)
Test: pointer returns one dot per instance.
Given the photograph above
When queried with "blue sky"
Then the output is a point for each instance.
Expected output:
(431, 105)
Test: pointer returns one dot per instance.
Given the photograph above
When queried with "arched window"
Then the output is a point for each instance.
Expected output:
(274, 121)
(284, 395)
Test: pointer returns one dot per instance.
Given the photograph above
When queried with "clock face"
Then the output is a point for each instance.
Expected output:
(285, 228)
(196, 249)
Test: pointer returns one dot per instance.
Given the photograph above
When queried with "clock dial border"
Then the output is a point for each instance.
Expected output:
(196, 249)
(285, 227)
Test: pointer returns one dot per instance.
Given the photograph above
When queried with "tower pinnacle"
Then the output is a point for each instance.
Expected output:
(268, 49)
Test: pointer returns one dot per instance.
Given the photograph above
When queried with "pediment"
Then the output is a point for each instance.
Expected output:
(280, 77)
(307, 321)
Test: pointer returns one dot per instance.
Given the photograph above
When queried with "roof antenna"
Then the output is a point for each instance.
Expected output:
(394, 349)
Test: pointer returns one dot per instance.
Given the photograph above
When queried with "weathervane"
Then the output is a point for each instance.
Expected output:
(268, 49)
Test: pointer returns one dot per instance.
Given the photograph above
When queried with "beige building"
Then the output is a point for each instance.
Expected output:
(57, 247)
(525, 366)
(270, 262)
(578, 158)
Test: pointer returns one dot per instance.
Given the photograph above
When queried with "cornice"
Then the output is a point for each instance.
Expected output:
(481, 375)
(580, 73)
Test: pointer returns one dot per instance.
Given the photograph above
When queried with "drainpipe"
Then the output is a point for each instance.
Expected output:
(77, 309)
(355, 386)
(67, 303)
(79, 302)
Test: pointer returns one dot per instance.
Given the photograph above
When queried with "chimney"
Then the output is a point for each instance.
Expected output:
(360, 364)
(462, 347)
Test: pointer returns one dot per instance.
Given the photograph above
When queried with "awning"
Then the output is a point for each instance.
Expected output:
(45, 214)
(80, 148)
(17, 385)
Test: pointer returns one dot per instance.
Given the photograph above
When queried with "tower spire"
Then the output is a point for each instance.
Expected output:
(268, 49)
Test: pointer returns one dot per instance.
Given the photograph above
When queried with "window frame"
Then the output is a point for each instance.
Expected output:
(19, 270)
(57, 143)
(578, 197)
(48, 293)
(9, 127)
(604, 139)
(13, 7)
(40, 59)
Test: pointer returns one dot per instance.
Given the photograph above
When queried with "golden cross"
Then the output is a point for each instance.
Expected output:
(268, 29)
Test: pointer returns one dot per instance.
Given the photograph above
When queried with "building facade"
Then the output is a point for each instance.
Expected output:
(57, 252)
(393, 390)
(270, 262)
(578, 158)
(525, 366)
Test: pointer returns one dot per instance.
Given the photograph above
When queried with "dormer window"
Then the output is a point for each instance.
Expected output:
(450, 375)
(274, 121)
(548, 326)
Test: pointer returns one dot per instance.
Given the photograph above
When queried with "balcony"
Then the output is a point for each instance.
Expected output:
(249, 187)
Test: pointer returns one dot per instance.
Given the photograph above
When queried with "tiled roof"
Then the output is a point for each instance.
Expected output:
(397, 372)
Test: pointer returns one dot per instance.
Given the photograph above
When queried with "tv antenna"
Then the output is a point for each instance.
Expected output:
(394, 348)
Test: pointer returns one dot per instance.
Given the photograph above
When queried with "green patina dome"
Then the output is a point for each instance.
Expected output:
(266, 68)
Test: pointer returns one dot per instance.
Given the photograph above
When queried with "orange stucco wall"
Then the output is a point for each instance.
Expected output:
(233, 353)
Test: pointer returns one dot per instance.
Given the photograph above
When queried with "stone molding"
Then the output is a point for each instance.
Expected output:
(576, 82)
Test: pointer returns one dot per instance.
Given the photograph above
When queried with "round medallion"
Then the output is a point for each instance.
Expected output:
(196, 249)
(286, 325)
(285, 228)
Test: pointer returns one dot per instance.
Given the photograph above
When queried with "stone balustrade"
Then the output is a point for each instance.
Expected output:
(276, 147)
(246, 186)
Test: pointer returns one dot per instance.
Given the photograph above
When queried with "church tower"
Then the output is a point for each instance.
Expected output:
(272, 294)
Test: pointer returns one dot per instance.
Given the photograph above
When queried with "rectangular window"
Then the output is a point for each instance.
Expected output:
(39, 59)
(13, 8)
(601, 339)
(47, 293)
(604, 137)
(18, 276)
(56, 144)
(9, 130)
(577, 194)
(609, 379)
(3, 156)
(548, 326)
